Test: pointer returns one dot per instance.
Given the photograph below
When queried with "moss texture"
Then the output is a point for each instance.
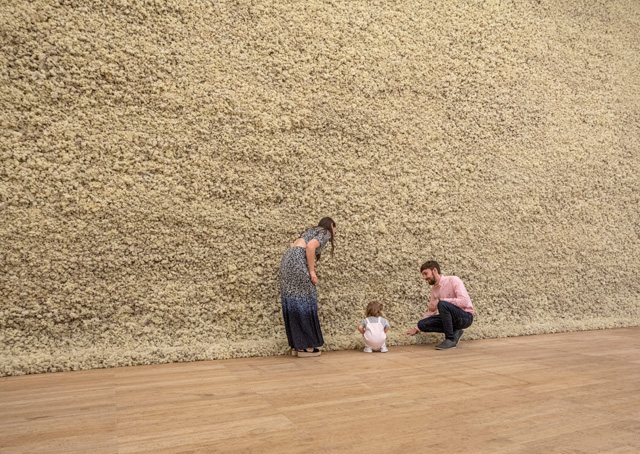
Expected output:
(159, 157)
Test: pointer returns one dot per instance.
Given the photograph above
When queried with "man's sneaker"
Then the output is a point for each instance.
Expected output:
(368, 350)
(457, 334)
(447, 344)
(383, 349)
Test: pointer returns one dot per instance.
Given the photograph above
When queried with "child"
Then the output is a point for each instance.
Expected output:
(374, 328)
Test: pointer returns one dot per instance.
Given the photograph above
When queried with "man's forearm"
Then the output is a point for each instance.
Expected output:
(459, 301)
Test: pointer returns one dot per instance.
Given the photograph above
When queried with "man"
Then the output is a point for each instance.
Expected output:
(451, 300)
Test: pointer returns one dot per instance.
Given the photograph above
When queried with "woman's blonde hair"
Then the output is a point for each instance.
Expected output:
(374, 309)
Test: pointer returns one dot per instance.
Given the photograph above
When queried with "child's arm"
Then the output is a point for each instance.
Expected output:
(386, 328)
(361, 329)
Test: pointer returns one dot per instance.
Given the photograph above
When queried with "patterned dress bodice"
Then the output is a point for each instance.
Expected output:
(320, 234)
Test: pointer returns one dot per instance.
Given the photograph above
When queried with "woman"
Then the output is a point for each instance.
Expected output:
(298, 288)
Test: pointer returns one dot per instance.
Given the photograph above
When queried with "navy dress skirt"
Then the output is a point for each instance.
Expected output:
(299, 296)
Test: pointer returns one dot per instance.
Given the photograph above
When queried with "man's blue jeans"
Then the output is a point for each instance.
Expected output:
(450, 318)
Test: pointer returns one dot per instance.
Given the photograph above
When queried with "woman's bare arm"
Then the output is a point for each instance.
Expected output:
(311, 259)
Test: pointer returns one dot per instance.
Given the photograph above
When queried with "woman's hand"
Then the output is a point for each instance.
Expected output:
(314, 278)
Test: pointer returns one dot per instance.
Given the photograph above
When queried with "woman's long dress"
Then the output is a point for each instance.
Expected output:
(299, 295)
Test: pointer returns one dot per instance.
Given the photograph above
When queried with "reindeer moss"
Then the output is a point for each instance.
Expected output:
(159, 157)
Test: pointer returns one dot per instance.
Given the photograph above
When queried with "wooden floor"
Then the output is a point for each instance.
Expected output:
(564, 393)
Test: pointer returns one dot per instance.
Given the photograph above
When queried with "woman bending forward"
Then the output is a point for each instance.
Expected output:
(298, 288)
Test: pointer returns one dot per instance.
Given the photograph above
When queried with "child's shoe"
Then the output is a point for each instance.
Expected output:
(383, 349)
(368, 350)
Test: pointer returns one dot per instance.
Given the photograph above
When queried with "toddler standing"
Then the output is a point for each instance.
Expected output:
(374, 328)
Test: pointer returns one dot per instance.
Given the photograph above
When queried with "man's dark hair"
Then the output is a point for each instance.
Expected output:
(431, 264)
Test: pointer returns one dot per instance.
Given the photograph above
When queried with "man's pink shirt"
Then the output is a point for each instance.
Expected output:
(450, 289)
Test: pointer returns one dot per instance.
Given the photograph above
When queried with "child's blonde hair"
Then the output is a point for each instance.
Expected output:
(374, 309)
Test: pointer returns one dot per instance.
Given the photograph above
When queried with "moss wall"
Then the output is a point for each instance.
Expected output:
(159, 157)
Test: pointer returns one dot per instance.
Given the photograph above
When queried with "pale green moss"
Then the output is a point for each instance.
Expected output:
(157, 160)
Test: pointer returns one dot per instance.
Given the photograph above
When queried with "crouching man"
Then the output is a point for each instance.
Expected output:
(451, 301)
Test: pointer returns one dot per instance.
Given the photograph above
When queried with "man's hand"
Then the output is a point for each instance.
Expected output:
(412, 332)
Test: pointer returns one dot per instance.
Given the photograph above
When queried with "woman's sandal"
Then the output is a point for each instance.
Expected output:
(306, 354)
(294, 352)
